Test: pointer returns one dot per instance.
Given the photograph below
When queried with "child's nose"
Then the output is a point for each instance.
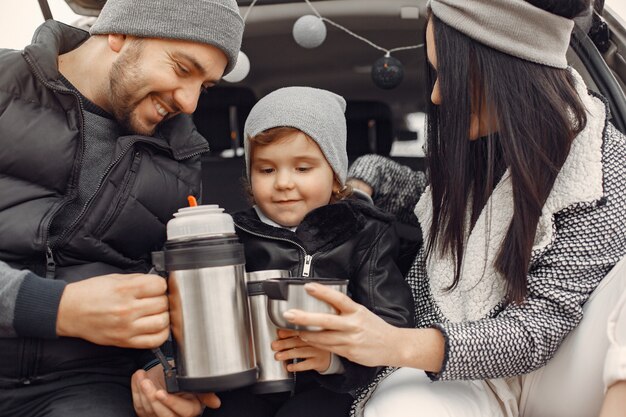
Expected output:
(284, 180)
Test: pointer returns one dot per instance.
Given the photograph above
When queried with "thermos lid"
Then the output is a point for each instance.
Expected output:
(199, 222)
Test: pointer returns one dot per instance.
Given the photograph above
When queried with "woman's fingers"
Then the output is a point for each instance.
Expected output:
(321, 320)
(340, 301)
(333, 341)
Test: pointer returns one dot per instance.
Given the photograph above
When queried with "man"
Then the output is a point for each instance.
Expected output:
(96, 153)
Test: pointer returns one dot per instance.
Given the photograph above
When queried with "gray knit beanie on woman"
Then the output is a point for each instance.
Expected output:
(213, 22)
(318, 113)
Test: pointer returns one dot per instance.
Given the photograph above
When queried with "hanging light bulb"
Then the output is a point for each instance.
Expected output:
(309, 31)
(387, 72)
(241, 70)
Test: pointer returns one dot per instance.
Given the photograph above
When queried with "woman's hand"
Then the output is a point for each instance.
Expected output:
(355, 333)
(150, 398)
(289, 346)
(362, 337)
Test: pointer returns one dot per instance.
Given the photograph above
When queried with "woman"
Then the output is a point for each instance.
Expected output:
(524, 214)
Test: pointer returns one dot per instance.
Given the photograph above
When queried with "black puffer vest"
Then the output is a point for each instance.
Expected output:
(41, 148)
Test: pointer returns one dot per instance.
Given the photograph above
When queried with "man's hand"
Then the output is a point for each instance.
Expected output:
(150, 398)
(125, 310)
(289, 346)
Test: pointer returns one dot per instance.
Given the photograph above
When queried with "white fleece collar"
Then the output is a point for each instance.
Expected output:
(481, 287)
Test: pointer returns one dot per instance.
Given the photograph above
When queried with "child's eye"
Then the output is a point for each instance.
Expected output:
(266, 170)
(303, 169)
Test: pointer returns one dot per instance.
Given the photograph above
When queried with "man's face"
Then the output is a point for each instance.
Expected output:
(155, 79)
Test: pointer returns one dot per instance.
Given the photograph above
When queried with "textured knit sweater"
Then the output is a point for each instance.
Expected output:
(580, 236)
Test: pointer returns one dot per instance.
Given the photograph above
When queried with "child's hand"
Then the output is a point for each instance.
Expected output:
(289, 346)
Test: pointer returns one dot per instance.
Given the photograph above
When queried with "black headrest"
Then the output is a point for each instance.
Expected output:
(216, 120)
(370, 128)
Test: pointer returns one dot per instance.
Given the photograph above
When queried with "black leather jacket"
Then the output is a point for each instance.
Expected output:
(41, 134)
(349, 239)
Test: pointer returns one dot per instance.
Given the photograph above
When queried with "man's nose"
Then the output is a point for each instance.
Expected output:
(187, 96)
(435, 96)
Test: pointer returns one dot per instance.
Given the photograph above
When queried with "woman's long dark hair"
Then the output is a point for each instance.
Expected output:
(537, 112)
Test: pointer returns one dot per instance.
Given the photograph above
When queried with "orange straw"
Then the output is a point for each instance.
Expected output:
(192, 201)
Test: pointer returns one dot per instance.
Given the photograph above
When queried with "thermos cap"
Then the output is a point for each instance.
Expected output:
(199, 221)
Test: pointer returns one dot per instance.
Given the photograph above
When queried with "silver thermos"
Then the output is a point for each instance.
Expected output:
(273, 374)
(208, 301)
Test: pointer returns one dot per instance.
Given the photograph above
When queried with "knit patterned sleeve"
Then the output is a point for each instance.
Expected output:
(397, 188)
(589, 239)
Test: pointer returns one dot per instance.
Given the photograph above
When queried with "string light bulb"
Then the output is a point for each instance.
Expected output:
(242, 67)
(387, 72)
(309, 31)
(241, 70)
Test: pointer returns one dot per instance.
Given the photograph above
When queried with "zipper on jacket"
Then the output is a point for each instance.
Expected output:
(50, 264)
(108, 219)
(27, 362)
(78, 218)
(308, 259)
(64, 90)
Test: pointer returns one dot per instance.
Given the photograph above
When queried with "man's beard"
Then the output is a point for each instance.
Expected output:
(125, 78)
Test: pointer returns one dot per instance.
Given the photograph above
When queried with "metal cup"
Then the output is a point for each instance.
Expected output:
(288, 293)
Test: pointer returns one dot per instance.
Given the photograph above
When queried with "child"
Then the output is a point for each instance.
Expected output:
(302, 221)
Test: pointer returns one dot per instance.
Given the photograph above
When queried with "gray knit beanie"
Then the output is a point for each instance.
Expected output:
(318, 113)
(214, 22)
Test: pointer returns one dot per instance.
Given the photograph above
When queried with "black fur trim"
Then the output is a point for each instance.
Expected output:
(323, 228)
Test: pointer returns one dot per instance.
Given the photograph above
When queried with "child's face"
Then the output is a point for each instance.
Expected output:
(289, 178)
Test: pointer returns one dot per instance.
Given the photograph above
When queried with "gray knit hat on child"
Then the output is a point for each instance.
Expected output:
(213, 22)
(318, 113)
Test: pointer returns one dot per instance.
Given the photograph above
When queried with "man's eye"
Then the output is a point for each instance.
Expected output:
(182, 68)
